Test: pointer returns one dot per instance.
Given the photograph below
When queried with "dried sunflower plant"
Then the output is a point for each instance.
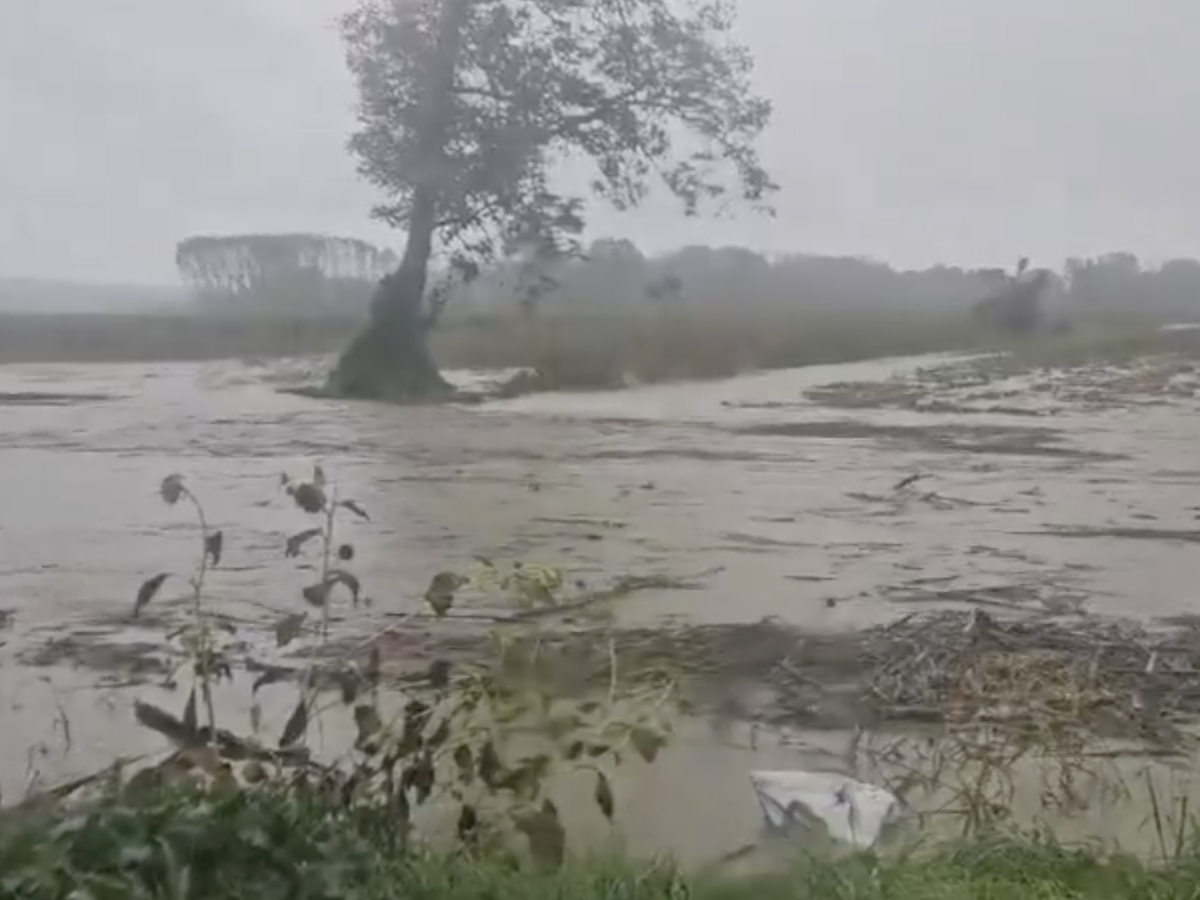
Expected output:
(474, 745)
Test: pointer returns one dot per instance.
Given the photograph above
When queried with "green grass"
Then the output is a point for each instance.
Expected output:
(272, 845)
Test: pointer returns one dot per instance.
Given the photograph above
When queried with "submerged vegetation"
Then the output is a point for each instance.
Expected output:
(477, 740)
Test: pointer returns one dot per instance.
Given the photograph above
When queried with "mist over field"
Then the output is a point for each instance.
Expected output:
(967, 134)
(48, 296)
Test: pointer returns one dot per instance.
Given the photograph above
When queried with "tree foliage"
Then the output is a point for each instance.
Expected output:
(468, 109)
(1015, 305)
(614, 277)
(644, 89)
(288, 271)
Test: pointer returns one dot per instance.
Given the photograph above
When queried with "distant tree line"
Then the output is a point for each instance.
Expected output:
(615, 276)
(285, 272)
(306, 272)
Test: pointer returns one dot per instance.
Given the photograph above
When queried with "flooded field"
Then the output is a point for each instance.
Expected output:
(830, 499)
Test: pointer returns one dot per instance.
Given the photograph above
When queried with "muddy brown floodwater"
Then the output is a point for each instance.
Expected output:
(1056, 493)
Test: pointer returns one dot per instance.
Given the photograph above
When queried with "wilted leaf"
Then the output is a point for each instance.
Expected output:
(560, 725)
(532, 593)
(508, 712)
(518, 780)
(297, 541)
(535, 770)
(225, 778)
(440, 603)
(349, 683)
(374, 667)
(309, 497)
(464, 762)
(535, 585)
(206, 759)
(402, 808)
(213, 545)
(440, 735)
(171, 489)
(272, 675)
(297, 724)
(145, 782)
(356, 509)
(368, 722)
(350, 786)
(289, 628)
(489, 764)
(213, 663)
(157, 719)
(440, 593)
(341, 576)
(150, 587)
(416, 714)
(421, 776)
(190, 719)
(253, 772)
(410, 740)
(468, 824)
(439, 673)
(604, 795)
(544, 831)
(317, 594)
(647, 742)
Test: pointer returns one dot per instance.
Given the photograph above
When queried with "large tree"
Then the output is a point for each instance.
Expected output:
(467, 108)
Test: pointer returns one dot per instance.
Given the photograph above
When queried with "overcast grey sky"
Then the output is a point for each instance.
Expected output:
(964, 130)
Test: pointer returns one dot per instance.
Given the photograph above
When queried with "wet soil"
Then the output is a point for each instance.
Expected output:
(815, 503)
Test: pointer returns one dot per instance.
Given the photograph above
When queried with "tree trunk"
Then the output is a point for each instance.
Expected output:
(391, 360)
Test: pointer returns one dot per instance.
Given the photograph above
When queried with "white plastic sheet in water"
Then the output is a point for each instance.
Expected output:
(854, 812)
